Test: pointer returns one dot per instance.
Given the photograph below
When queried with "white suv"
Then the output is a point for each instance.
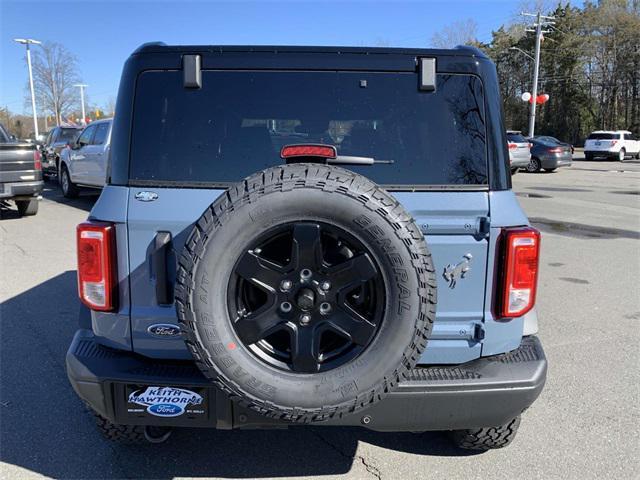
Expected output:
(617, 144)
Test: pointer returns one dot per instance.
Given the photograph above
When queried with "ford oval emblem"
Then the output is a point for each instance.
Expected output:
(165, 410)
(164, 330)
(146, 196)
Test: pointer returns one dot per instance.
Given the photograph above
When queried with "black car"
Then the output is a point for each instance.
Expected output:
(56, 140)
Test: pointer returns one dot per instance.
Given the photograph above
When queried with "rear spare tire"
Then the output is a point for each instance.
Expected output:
(306, 292)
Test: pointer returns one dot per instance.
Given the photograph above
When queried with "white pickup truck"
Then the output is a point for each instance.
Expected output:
(84, 163)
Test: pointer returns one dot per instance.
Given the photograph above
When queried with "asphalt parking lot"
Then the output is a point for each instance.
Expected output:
(583, 426)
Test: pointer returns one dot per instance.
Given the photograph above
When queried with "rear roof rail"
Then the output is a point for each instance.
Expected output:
(459, 51)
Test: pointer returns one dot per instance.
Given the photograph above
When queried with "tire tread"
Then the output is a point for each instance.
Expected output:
(487, 438)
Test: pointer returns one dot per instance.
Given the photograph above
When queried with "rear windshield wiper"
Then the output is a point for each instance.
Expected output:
(327, 154)
(351, 160)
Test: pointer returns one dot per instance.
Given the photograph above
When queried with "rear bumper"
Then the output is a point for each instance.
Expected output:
(601, 154)
(49, 164)
(556, 161)
(486, 392)
(21, 189)
(520, 163)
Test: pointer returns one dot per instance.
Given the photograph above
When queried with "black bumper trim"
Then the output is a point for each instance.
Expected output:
(485, 392)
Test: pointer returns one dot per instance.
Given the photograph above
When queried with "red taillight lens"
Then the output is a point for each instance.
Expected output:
(518, 271)
(37, 160)
(555, 150)
(530, 145)
(97, 276)
(512, 146)
(323, 151)
(613, 142)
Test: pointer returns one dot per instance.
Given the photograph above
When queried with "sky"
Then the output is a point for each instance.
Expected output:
(102, 34)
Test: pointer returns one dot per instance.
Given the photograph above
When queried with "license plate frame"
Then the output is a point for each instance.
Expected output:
(157, 404)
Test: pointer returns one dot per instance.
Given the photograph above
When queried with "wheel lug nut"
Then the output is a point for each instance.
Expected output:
(325, 308)
(286, 285)
(305, 319)
(285, 307)
(325, 286)
(305, 274)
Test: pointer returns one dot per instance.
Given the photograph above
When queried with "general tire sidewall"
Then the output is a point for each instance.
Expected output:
(214, 343)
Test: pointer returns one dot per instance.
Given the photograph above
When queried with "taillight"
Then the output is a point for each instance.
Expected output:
(97, 275)
(518, 271)
(323, 151)
(513, 146)
(613, 142)
(555, 150)
(37, 160)
(530, 145)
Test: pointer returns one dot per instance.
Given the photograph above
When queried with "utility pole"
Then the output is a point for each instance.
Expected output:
(82, 87)
(541, 21)
(27, 42)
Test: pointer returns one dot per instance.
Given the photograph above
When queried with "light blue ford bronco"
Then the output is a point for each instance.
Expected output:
(308, 235)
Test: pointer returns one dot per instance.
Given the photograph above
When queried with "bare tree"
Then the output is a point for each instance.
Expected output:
(110, 106)
(55, 71)
(462, 32)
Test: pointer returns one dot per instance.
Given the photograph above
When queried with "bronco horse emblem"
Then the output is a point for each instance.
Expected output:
(453, 272)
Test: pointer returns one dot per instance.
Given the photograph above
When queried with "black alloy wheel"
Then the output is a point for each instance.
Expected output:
(306, 297)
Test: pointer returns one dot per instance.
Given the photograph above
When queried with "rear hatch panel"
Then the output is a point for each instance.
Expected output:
(452, 221)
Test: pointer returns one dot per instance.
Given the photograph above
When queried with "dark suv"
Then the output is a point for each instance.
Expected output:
(57, 139)
(308, 235)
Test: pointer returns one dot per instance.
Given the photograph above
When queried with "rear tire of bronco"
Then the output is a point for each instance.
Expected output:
(131, 434)
(27, 208)
(487, 438)
(306, 292)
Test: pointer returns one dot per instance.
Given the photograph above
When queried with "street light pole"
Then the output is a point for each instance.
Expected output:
(27, 42)
(536, 71)
(82, 87)
(541, 21)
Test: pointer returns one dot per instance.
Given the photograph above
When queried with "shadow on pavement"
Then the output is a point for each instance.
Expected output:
(8, 210)
(45, 428)
(53, 193)
(84, 201)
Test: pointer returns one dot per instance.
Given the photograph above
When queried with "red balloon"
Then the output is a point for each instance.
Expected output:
(542, 98)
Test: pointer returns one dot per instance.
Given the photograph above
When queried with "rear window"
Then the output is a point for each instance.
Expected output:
(603, 136)
(102, 131)
(68, 134)
(516, 138)
(237, 123)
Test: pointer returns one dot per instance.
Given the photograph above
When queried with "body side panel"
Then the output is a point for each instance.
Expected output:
(114, 329)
